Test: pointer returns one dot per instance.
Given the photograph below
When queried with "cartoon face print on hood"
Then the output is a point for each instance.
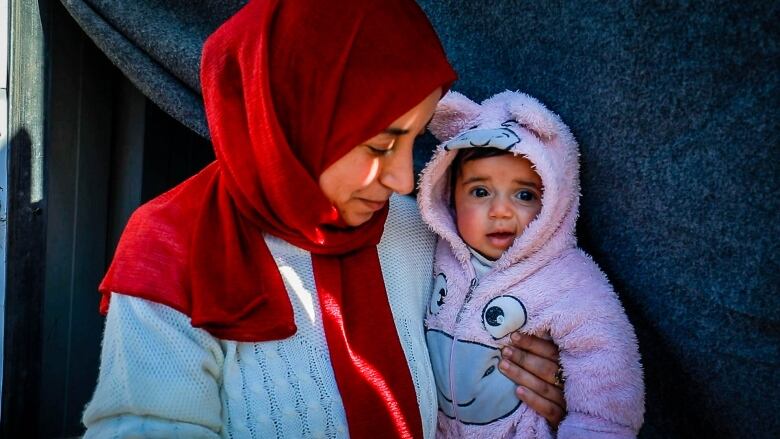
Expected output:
(468, 322)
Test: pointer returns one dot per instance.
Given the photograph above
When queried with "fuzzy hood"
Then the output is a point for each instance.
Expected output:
(542, 284)
(519, 123)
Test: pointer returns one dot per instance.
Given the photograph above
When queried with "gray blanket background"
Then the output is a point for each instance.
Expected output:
(674, 104)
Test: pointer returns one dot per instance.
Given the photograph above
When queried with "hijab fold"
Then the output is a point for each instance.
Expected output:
(289, 88)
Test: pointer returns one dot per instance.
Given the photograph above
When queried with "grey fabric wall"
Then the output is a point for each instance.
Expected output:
(674, 104)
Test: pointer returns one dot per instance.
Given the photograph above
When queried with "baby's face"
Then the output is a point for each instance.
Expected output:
(495, 200)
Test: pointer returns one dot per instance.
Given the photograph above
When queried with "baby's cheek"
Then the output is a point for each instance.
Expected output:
(470, 224)
(527, 215)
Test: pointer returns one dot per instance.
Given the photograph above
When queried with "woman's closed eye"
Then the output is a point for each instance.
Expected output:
(380, 145)
(379, 150)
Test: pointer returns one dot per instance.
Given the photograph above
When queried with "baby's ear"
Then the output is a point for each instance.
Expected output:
(454, 114)
(534, 116)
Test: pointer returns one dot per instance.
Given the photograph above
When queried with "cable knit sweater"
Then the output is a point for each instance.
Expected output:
(160, 377)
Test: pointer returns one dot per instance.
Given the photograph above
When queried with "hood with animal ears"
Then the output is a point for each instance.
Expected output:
(519, 123)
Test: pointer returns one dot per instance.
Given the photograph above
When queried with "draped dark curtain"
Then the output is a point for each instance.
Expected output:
(674, 104)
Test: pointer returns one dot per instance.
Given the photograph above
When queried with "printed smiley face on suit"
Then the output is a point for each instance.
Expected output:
(465, 370)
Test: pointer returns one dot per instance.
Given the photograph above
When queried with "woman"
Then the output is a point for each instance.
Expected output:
(276, 293)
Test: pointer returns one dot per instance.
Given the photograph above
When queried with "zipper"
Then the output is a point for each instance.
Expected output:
(466, 299)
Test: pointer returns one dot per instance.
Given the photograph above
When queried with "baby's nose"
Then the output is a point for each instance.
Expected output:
(500, 208)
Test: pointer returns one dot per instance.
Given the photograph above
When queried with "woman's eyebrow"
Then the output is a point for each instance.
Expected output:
(396, 131)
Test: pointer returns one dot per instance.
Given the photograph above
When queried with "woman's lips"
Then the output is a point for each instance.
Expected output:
(373, 205)
(501, 239)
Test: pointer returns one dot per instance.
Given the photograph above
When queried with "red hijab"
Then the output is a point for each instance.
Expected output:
(290, 87)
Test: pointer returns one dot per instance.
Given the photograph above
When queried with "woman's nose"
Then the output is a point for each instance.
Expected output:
(397, 172)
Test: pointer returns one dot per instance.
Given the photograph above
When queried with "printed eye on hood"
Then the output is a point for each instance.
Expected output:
(515, 122)
(439, 294)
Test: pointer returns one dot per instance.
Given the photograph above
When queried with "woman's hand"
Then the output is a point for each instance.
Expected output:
(532, 363)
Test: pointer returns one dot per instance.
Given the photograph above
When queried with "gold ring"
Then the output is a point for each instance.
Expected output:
(559, 380)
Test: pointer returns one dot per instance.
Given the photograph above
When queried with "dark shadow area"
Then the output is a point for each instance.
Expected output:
(28, 210)
(98, 149)
(23, 300)
(172, 153)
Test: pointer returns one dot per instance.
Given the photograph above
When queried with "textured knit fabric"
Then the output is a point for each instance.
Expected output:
(160, 376)
(541, 284)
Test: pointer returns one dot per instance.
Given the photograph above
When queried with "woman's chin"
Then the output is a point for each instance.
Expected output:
(355, 219)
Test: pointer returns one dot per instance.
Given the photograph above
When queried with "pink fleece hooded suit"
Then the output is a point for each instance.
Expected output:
(542, 284)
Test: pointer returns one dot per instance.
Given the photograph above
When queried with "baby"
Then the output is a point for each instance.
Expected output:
(502, 193)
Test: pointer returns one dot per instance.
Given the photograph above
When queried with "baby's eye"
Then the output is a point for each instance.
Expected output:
(525, 195)
(480, 192)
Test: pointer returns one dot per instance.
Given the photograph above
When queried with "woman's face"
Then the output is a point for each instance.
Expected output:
(360, 183)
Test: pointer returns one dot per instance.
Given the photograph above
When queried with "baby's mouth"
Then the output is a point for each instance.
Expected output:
(501, 239)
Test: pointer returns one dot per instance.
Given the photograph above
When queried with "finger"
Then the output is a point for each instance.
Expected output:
(541, 367)
(550, 411)
(526, 379)
(539, 346)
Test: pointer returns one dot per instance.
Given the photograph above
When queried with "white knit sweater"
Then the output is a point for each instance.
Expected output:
(162, 378)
